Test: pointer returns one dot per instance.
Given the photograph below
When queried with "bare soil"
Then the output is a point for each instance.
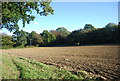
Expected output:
(100, 59)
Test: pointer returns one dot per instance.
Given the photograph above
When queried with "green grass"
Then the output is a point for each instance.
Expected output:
(9, 70)
(23, 68)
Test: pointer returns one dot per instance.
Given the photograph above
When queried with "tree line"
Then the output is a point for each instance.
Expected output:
(13, 12)
(61, 36)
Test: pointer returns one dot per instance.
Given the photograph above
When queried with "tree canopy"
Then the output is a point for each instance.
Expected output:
(20, 38)
(7, 41)
(88, 27)
(91, 35)
(63, 31)
(12, 12)
(34, 39)
(47, 37)
(61, 36)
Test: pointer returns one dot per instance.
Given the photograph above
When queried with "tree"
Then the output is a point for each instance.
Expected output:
(77, 37)
(12, 12)
(111, 30)
(7, 41)
(73, 38)
(110, 25)
(34, 39)
(20, 37)
(88, 27)
(63, 32)
(47, 37)
(56, 33)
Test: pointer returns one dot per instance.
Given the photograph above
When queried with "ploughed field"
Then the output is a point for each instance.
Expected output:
(100, 59)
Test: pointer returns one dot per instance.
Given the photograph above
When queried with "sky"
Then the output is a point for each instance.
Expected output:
(73, 16)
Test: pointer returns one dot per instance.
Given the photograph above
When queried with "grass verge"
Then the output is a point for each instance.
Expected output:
(23, 68)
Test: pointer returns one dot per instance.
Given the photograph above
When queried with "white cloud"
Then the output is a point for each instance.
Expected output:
(36, 23)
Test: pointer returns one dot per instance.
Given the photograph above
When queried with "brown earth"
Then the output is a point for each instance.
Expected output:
(100, 59)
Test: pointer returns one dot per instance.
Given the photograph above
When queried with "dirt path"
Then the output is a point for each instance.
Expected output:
(101, 60)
